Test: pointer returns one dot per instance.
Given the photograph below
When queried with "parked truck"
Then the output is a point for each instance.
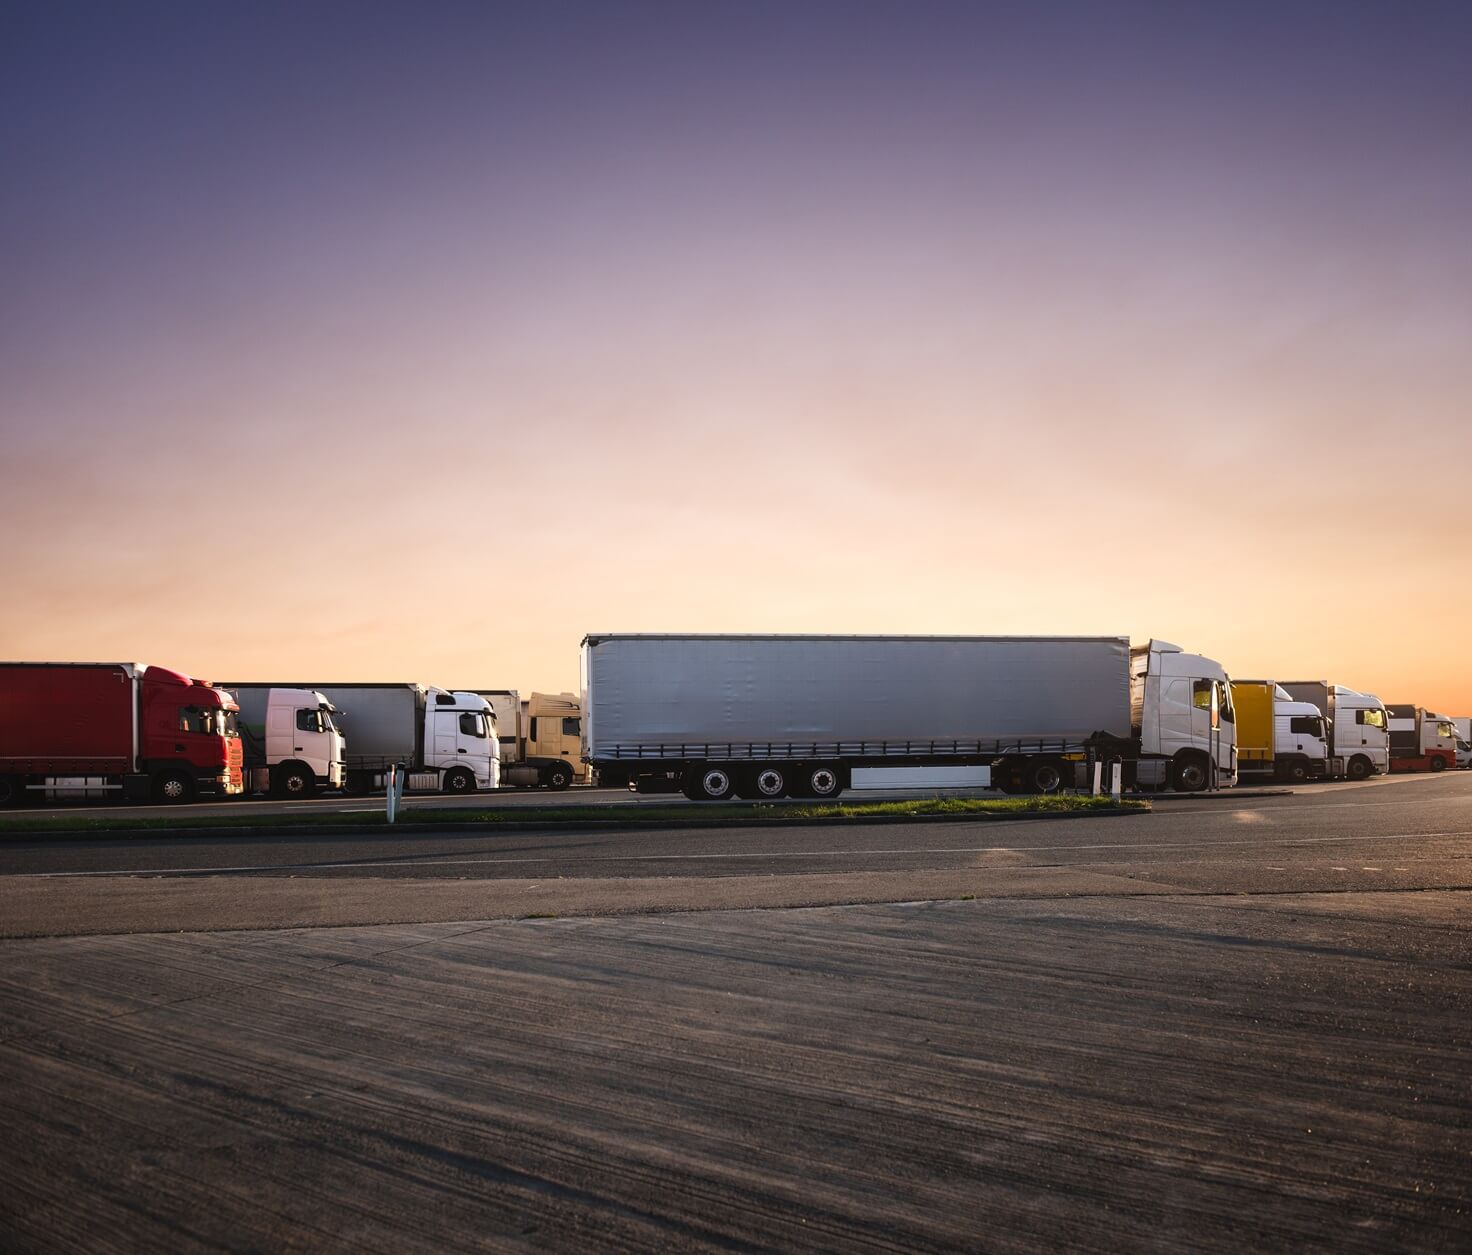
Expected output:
(1357, 725)
(1277, 737)
(292, 746)
(774, 716)
(110, 729)
(540, 736)
(1421, 740)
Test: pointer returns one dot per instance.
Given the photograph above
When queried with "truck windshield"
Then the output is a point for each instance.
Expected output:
(207, 722)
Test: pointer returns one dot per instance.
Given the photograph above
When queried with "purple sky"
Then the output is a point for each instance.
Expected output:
(749, 317)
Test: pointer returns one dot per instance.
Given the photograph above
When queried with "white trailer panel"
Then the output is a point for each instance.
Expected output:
(382, 723)
(652, 696)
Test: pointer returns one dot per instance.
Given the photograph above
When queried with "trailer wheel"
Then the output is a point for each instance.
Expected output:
(12, 791)
(1359, 768)
(1438, 764)
(764, 783)
(1189, 775)
(173, 787)
(823, 781)
(459, 780)
(558, 776)
(1046, 777)
(293, 781)
(709, 784)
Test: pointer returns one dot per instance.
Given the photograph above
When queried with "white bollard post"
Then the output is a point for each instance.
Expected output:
(1116, 779)
(391, 792)
(1098, 777)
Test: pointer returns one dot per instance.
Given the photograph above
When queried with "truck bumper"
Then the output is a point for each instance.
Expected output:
(218, 786)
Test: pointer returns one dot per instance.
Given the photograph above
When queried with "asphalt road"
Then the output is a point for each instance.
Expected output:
(1222, 1026)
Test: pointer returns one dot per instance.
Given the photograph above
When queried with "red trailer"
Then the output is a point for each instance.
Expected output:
(100, 729)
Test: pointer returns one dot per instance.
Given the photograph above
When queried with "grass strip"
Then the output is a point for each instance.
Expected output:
(616, 815)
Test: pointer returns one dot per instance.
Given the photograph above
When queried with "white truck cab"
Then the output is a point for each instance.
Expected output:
(460, 741)
(1361, 727)
(1299, 730)
(1181, 705)
(293, 746)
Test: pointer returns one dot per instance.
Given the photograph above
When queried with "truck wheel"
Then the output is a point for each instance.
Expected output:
(769, 782)
(1046, 777)
(459, 780)
(558, 776)
(1359, 768)
(172, 787)
(823, 782)
(710, 784)
(1438, 764)
(1189, 775)
(1296, 771)
(294, 781)
(12, 792)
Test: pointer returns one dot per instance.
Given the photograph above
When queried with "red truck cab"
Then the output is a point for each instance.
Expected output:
(189, 721)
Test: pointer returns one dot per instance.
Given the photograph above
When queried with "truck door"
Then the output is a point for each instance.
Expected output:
(446, 737)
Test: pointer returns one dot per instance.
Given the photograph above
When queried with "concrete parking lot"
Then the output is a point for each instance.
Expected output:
(1226, 1025)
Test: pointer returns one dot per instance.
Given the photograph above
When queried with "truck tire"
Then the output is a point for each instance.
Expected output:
(769, 781)
(173, 787)
(1190, 774)
(459, 780)
(1438, 764)
(292, 780)
(12, 791)
(823, 781)
(762, 783)
(1046, 776)
(1359, 768)
(1295, 771)
(557, 777)
(707, 783)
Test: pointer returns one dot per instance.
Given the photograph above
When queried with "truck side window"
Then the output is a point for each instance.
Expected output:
(1305, 725)
(571, 727)
(1201, 694)
(307, 721)
(472, 725)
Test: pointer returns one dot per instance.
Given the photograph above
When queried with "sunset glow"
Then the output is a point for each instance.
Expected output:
(345, 343)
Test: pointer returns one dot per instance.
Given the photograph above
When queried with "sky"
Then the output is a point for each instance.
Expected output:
(392, 341)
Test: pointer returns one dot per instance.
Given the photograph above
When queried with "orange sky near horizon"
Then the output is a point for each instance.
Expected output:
(339, 392)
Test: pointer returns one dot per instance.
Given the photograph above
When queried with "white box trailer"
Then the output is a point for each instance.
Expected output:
(767, 716)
